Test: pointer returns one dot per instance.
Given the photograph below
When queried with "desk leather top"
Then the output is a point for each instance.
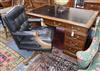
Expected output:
(77, 15)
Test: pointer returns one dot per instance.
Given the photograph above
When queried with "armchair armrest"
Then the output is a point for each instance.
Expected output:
(41, 42)
(31, 20)
(32, 33)
(23, 33)
(36, 36)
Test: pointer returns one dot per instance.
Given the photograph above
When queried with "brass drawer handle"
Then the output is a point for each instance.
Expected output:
(73, 33)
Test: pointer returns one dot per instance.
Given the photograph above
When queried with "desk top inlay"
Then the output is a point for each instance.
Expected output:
(69, 14)
(77, 16)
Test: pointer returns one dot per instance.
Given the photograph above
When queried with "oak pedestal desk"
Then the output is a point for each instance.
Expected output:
(76, 24)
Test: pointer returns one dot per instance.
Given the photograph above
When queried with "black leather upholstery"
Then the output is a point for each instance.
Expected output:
(18, 18)
(22, 31)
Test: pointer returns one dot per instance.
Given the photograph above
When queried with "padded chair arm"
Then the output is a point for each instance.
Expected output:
(84, 55)
(24, 33)
(31, 20)
(41, 42)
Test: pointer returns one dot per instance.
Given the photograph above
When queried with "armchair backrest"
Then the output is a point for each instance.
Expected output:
(98, 30)
(96, 38)
(15, 18)
(86, 57)
(97, 27)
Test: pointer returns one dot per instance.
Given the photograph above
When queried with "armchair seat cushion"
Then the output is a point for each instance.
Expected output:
(45, 34)
(84, 59)
(95, 65)
(83, 55)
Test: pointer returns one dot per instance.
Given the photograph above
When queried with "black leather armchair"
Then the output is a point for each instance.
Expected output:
(26, 37)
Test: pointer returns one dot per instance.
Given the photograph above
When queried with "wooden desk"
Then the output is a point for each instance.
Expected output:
(92, 4)
(76, 24)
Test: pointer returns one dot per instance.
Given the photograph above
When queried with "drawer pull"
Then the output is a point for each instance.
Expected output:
(72, 34)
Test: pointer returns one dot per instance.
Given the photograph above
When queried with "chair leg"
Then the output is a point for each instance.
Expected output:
(5, 28)
(6, 32)
(34, 53)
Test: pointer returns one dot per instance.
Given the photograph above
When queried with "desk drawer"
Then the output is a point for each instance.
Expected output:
(74, 43)
(77, 41)
(49, 22)
(73, 34)
(60, 24)
(72, 49)
(65, 25)
(70, 26)
(76, 28)
(54, 23)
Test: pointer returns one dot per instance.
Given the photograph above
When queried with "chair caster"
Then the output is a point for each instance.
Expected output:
(25, 63)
